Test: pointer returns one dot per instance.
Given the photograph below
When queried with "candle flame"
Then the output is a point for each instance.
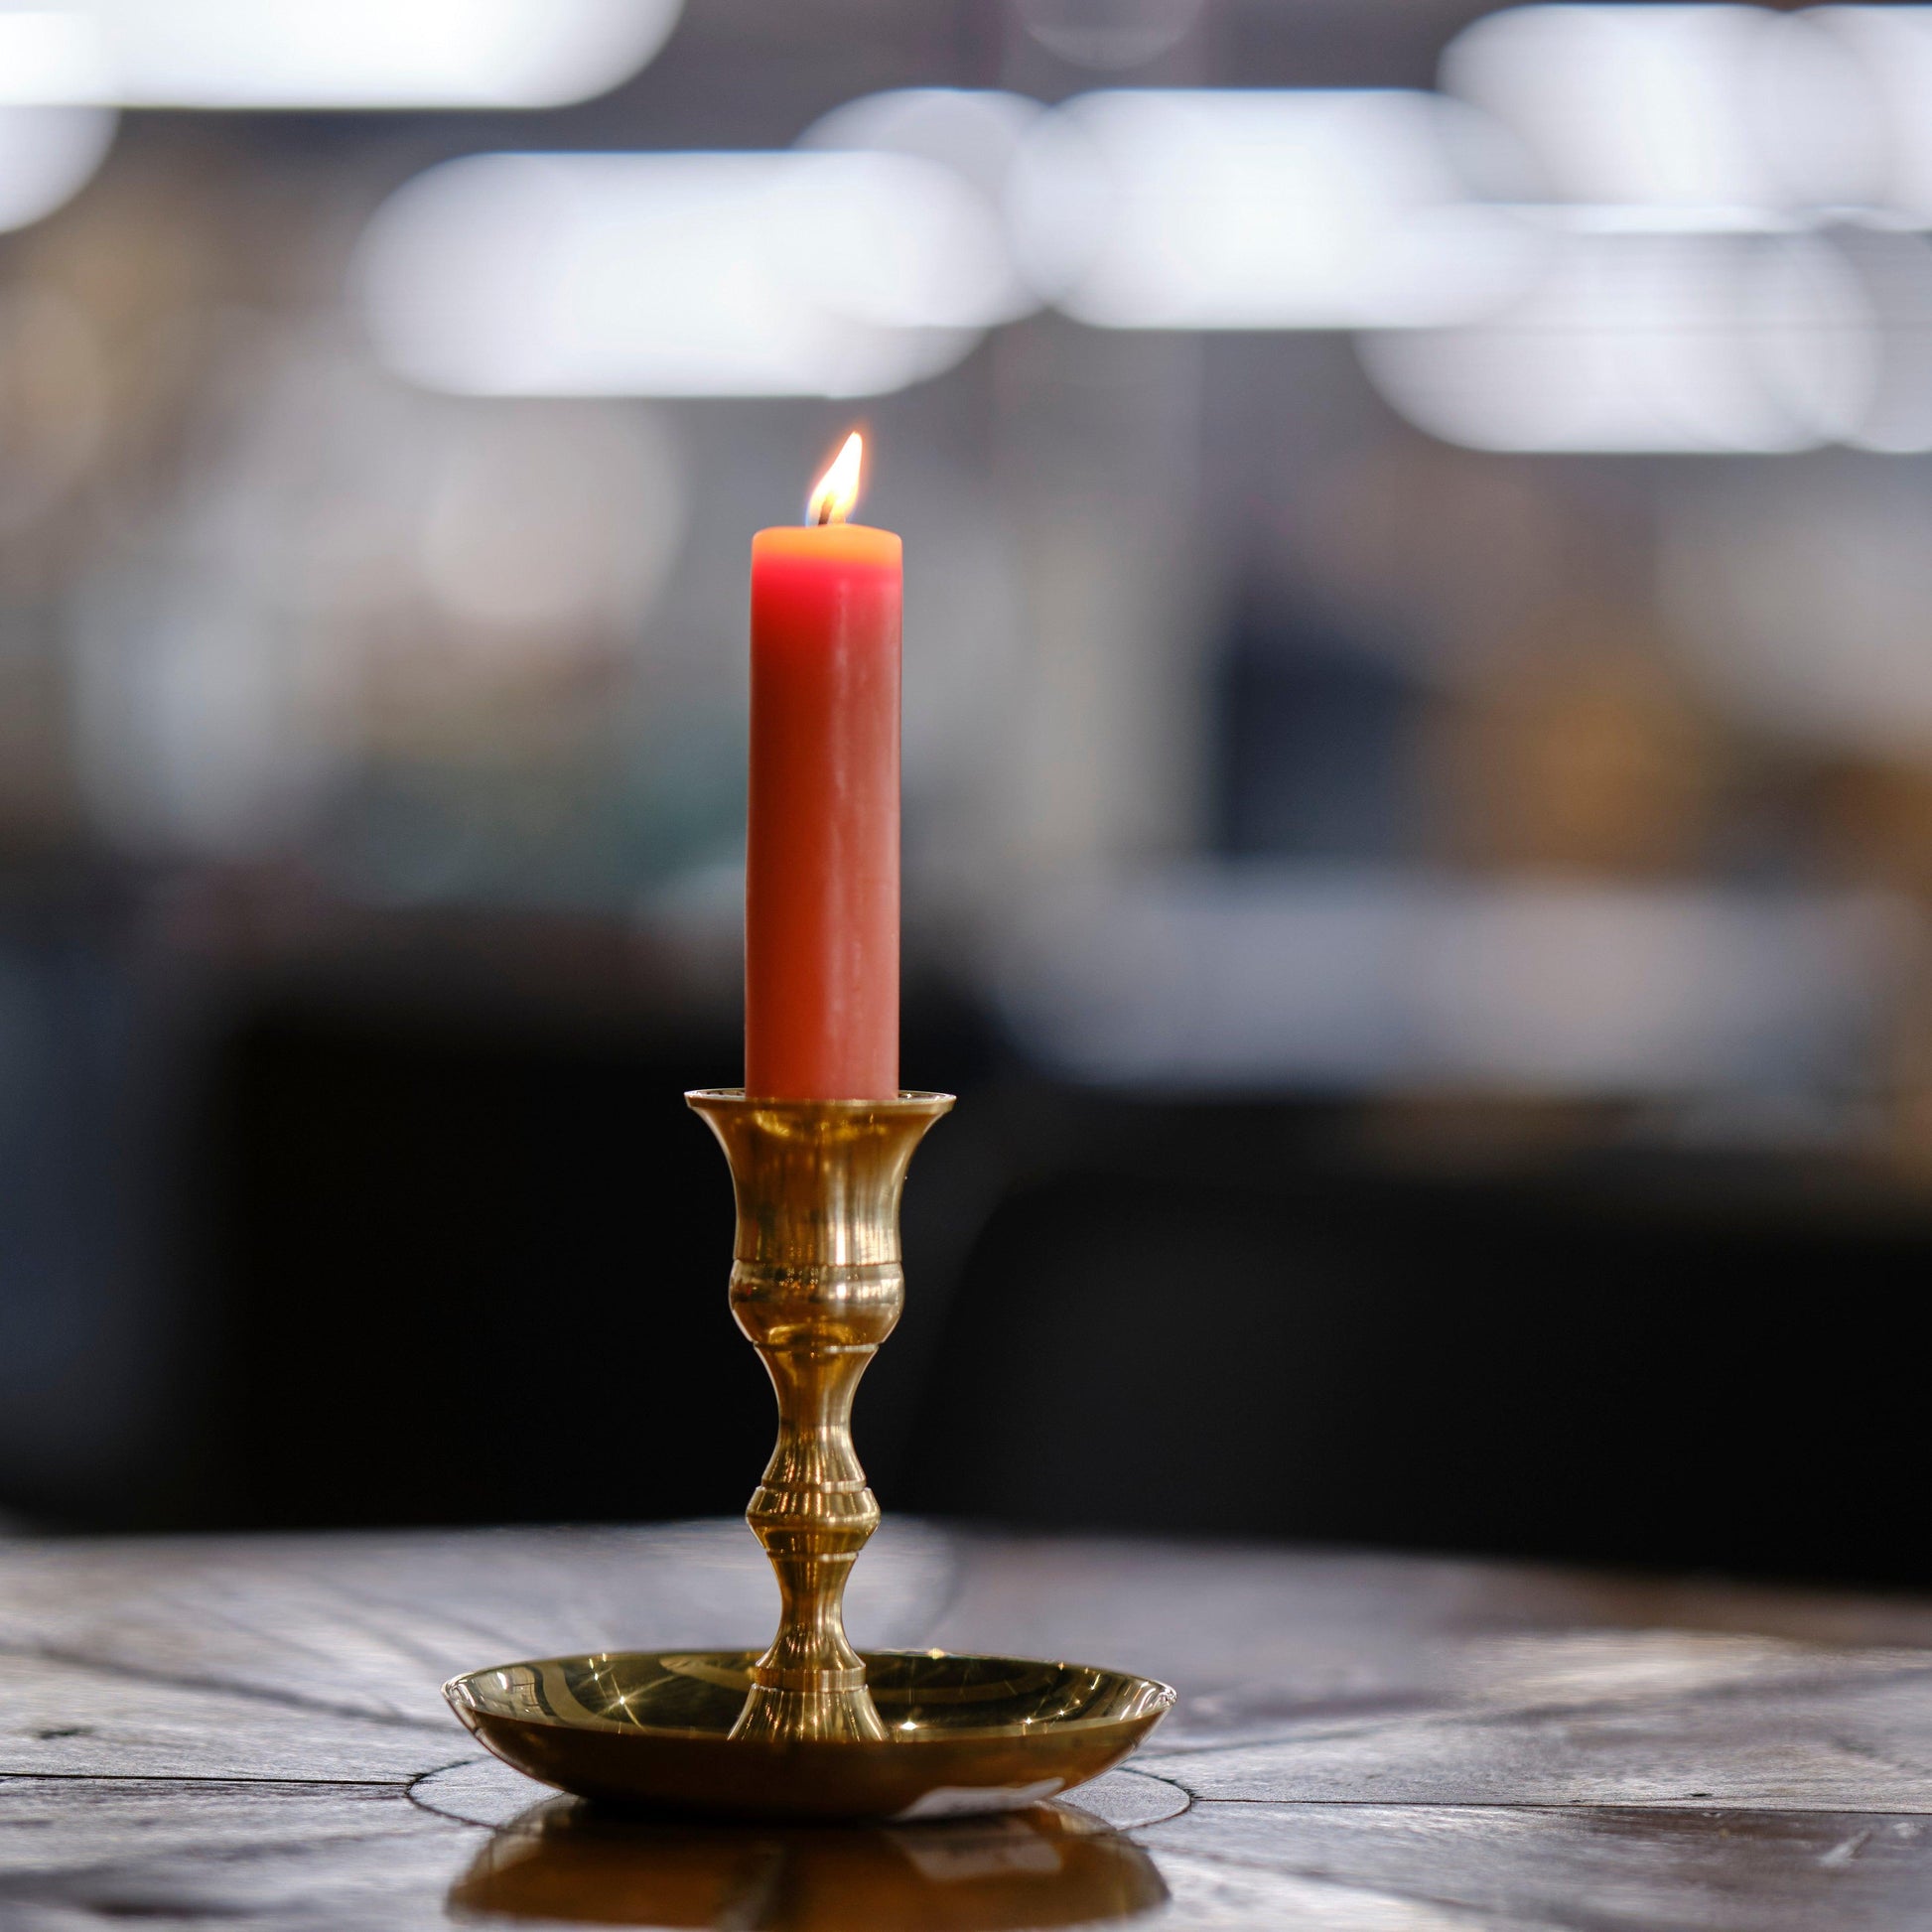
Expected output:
(837, 491)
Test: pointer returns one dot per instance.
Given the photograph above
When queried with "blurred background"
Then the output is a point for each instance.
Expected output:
(1418, 758)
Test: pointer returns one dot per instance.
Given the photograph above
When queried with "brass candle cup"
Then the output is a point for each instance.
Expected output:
(810, 1726)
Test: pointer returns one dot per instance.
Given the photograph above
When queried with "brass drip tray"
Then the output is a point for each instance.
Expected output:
(653, 1729)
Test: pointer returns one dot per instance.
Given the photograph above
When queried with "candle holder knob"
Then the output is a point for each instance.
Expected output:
(816, 1286)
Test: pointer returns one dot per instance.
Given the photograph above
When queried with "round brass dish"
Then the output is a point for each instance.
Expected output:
(962, 1735)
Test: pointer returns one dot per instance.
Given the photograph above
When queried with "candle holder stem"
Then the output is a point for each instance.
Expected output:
(816, 1286)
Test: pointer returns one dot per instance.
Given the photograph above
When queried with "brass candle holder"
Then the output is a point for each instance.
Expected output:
(810, 1726)
(816, 1286)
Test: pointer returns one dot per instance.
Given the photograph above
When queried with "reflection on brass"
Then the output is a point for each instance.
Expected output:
(816, 1286)
(662, 1729)
(1043, 1867)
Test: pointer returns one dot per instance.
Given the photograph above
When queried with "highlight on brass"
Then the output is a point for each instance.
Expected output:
(1048, 1866)
(836, 494)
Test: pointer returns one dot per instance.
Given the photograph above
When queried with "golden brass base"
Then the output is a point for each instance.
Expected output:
(662, 1730)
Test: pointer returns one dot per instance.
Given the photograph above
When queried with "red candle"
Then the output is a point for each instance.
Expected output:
(821, 882)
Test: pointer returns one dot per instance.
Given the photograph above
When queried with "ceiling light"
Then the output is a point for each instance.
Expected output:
(675, 274)
(1203, 208)
(1675, 343)
(331, 54)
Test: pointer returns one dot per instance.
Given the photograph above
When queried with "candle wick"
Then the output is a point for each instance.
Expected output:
(824, 515)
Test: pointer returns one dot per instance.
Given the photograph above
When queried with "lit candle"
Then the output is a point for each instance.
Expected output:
(821, 883)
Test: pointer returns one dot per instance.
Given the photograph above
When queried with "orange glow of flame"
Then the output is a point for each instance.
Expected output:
(835, 492)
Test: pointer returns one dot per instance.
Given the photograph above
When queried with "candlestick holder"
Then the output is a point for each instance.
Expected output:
(810, 1726)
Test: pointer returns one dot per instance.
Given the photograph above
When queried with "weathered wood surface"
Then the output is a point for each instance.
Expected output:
(249, 1733)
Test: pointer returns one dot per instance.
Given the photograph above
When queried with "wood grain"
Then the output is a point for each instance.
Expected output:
(248, 1733)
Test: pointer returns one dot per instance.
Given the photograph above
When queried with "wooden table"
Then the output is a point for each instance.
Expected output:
(249, 1733)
